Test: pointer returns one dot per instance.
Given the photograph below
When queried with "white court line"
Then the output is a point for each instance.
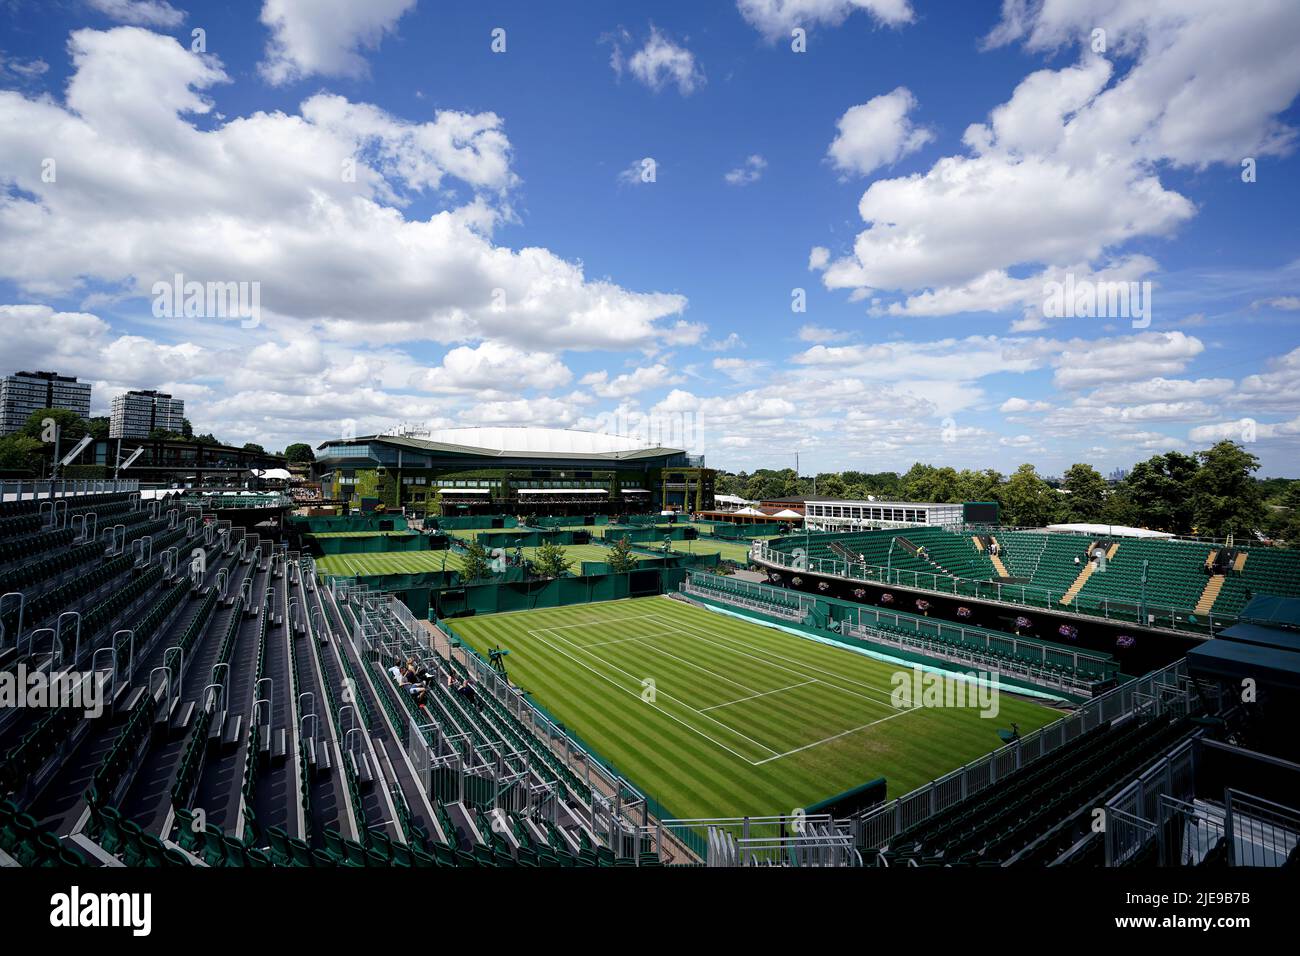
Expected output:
(764, 694)
(693, 729)
(818, 743)
(744, 653)
(624, 640)
(698, 667)
(671, 697)
(605, 620)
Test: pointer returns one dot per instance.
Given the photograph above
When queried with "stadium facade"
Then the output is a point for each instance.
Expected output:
(500, 470)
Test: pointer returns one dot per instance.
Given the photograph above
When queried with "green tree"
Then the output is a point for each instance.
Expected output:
(1225, 498)
(1160, 492)
(621, 557)
(254, 447)
(20, 452)
(1087, 490)
(99, 427)
(476, 564)
(300, 452)
(980, 485)
(550, 561)
(1286, 525)
(1027, 500)
(72, 427)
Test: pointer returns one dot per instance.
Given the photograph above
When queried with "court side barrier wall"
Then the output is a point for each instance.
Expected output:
(473, 522)
(884, 653)
(498, 598)
(397, 541)
(558, 521)
(681, 532)
(527, 538)
(737, 532)
(325, 524)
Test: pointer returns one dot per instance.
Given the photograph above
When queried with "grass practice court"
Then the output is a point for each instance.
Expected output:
(712, 715)
(413, 562)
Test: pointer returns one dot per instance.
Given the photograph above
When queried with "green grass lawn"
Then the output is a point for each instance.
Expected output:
(411, 562)
(388, 562)
(358, 534)
(744, 719)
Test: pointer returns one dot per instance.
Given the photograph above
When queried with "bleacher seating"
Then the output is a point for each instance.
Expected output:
(1042, 566)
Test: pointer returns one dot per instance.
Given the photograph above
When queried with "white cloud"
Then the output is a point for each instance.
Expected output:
(493, 365)
(1284, 303)
(877, 133)
(732, 341)
(750, 171)
(640, 380)
(821, 334)
(1067, 170)
(146, 13)
(1014, 405)
(776, 18)
(1131, 358)
(260, 198)
(661, 62)
(311, 38)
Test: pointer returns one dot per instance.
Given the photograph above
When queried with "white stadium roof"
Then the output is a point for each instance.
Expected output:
(500, 441)
(530, 439)
(1115, 530)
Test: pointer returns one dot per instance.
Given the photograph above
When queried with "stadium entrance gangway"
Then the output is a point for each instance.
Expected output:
(795, 839)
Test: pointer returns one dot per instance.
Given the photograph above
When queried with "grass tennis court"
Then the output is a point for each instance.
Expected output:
(743, 719)
(359, 534)
(412, 562)
(388, 562)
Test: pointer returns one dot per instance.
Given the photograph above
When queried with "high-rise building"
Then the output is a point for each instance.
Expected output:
(137, 413)
(25, 392)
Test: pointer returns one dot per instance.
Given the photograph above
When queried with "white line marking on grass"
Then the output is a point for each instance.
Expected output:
(764, 694)
(745, 653)
(670, 696)
(606, 620)
(818, 743)
(637, 694)
(624, 640)
(699, 668)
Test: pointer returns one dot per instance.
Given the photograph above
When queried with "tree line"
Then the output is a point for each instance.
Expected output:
(1211, 493)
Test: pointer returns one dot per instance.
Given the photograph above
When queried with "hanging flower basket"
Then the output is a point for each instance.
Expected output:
(922, 604)
(963, 612)
(1125, 641)
(886, 599)
(823, 586)
(1068, 631)
(796, 581)
(1022, 622)
(859, 593)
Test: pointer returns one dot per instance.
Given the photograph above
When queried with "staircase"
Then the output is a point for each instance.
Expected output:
(1211, 593)
(997, 561)
(1079, 582)
(1241, 561)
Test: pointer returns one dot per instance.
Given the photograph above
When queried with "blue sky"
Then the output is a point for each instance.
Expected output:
(921, 172)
